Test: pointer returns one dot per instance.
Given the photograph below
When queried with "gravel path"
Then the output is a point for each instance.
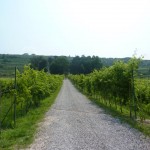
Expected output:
(75, 123)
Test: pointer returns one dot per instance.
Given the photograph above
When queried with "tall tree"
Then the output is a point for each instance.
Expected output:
(39, 63)
(85, 65)
(59, 65)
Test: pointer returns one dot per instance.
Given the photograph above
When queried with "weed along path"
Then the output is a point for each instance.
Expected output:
(75, 123)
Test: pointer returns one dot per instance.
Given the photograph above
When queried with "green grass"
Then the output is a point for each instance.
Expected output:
(26, 127)
(123, 117)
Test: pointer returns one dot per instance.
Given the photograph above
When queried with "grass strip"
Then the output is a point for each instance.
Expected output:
(26, 127)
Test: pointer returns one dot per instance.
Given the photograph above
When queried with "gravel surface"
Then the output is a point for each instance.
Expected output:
(75, 123)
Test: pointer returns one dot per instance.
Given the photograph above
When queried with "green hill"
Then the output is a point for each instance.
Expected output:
(8, 63)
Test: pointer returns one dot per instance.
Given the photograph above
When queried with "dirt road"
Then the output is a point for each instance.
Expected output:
(75, 123)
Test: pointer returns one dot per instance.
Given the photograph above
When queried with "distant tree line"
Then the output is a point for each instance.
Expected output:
(85, 65)
(65, 65)
(62, 64)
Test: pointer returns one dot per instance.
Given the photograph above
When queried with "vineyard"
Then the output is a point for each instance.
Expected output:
(30, 89)
(23, 93)
(26, 97)
(120, 87)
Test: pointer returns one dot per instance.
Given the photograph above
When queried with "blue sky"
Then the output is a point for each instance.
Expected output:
(106, 28)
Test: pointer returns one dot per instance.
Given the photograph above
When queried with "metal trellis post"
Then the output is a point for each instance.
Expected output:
(15, 99)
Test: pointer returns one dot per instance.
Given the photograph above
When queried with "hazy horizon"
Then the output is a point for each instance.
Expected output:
(110, 28)
(68, 55)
